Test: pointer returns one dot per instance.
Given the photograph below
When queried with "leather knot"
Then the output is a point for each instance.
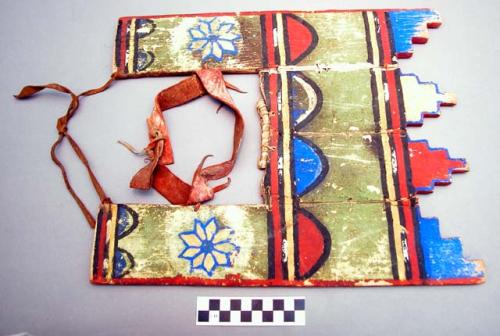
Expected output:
(62, 124)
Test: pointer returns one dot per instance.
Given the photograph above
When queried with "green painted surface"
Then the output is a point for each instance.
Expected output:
(360, 248)
(344, 131)
(155, 244)
(170, 40)
(347, 102)
(354, 169)
(341, 38)
(350, 200)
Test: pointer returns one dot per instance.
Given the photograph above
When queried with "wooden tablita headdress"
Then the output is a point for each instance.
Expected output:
(340, 205)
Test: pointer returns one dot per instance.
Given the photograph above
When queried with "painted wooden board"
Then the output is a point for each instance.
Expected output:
(248, 42)
(342, 175)
(334, 244)
(323, 162)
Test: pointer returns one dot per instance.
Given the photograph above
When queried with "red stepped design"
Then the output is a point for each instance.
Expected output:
(432, 166)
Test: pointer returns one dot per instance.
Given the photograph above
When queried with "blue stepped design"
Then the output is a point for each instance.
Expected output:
(442, 257)
(407, 24)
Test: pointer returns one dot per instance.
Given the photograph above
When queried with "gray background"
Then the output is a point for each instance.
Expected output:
(45, 242)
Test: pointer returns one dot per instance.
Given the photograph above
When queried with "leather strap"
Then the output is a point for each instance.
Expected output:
(62, 128)
(156, 173)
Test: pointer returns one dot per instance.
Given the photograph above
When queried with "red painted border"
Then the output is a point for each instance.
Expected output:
(235, 281)
(270, 12)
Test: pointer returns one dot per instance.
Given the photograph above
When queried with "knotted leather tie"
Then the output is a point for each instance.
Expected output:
(156, 173)
(62, 128)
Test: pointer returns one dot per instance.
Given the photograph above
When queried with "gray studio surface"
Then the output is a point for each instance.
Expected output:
(45, 243)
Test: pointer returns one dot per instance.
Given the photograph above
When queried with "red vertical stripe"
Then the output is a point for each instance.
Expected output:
(274, 157)
(398, 144)
(270, 40)
(384, 35)
(123, 46)
(102, 244)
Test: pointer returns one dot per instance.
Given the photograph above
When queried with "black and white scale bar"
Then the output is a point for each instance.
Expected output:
(251, 311)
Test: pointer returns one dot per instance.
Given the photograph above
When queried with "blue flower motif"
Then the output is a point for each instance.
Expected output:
(208, 246)
(214, 38)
